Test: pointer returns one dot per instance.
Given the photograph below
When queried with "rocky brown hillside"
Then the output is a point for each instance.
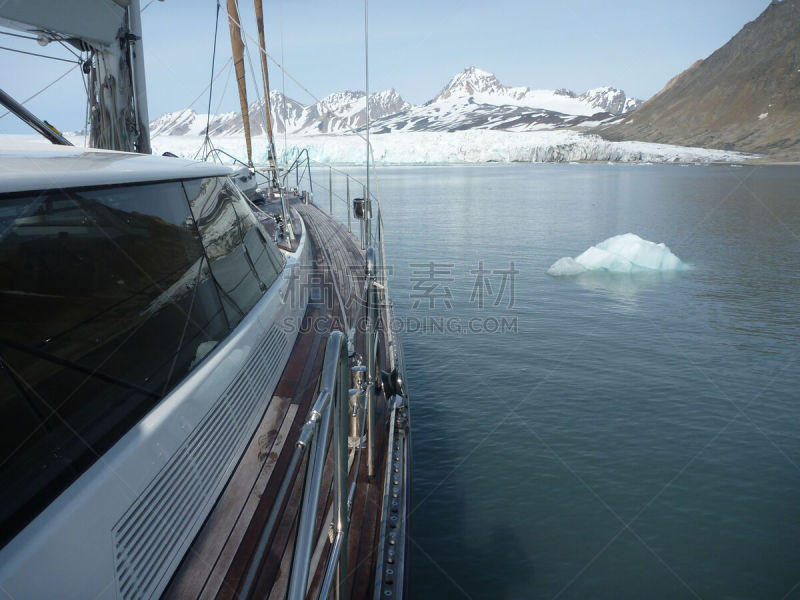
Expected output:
(745, 96)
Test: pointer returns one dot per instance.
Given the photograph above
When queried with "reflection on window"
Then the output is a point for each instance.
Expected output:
(266, 258)
(107, 303)
(238, 277)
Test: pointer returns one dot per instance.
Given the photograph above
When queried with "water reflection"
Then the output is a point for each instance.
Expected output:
(625, 286)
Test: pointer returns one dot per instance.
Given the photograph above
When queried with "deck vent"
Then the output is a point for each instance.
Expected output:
(152, 535)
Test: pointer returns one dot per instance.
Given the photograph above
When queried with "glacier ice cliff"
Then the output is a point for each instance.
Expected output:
(475, 146)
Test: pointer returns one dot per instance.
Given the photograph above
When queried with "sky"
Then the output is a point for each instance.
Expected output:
(415, 46)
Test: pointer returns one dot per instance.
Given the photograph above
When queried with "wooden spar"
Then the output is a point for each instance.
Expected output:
(265, 74)
(237, 47)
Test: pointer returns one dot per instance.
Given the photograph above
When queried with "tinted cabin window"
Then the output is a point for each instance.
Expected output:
(239, 257)
(264, 254)
(106, 302)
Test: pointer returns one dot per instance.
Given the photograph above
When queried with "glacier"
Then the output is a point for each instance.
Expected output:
(471, 146)
(473, 119)
(626, 253)
(415, 148)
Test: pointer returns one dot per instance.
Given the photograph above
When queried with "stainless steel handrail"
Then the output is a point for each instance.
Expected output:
(333, 399)
(332, 404)
(371, 332)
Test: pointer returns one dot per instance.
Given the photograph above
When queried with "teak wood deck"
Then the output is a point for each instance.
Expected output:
(221, 554)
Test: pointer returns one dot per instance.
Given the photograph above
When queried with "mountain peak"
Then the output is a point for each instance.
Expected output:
(469, 82)
(610, 99)
(476, 72)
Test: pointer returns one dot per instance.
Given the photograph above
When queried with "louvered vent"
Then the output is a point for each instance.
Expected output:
(150, 534)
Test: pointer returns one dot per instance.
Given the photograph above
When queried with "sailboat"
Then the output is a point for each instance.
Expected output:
(198, 399)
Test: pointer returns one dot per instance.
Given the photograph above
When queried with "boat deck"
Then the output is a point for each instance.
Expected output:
(223, 551)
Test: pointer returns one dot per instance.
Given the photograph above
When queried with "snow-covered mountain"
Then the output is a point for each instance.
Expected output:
(473, 99)
(484, 88)
(339, 112)
(344, 111)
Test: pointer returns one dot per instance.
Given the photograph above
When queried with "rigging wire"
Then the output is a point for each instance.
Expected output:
(283, 82)
(366, 102)
(224, 91)
(213, 59)
(354, 130)
(40, 55)
(207, 140)
(19, 35)
(222, 69)
(203, 93)
(70, 50)
(59, 78)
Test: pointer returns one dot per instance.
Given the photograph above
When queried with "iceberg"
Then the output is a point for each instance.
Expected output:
(627, 253)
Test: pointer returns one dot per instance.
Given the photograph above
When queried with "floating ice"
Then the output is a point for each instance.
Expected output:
(627, 253)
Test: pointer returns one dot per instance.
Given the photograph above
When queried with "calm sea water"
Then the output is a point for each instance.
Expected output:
(632, 437)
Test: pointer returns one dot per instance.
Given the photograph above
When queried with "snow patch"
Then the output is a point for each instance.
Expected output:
(762, 116)
(627, 253)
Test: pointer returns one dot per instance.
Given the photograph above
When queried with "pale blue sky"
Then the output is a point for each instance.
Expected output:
(415, 47)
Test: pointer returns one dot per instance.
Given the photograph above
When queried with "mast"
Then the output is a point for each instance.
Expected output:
(265, 74)
(111, 31)
(237, 47)
(367, 196)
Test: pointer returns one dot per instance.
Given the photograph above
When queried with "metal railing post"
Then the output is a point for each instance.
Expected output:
(310, 179)
(330, 190)
(348, 204)
(364, 220)
(301, 564)
(287, 222)
(368, 220)
(370, 359)
(341, 431)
